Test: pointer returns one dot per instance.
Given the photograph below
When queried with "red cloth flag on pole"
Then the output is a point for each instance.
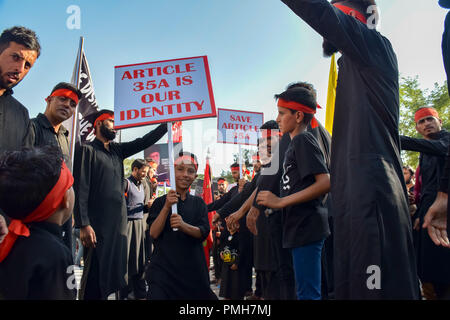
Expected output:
(208, 198)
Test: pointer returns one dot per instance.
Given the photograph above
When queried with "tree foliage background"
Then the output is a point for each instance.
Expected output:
(412, 97)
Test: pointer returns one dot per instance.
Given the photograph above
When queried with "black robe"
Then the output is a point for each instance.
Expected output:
(100, 202)
(446, 57)
(38, 267)
(177, 265)
(372, 226)
(433, 262)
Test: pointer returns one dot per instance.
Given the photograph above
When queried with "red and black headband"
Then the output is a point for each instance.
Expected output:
(297, 106)
(47, 208)
(187, 159)
(104, 116)
(65, 93)
(425, 112)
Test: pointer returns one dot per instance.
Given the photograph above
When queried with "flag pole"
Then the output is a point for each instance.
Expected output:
(171, 167)
(240, 162)
(75, 114)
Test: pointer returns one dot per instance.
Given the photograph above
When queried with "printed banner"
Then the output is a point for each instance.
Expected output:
(162, 91)
(238, 127)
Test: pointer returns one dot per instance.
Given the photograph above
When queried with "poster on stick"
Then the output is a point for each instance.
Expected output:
(238, 127)
(162, 91)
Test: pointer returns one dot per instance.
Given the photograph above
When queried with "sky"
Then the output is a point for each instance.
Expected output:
(254, 48)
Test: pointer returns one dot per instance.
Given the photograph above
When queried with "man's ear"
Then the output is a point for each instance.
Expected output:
(299, 116)
(65, 203)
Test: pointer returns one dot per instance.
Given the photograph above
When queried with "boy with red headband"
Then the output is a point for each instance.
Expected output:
(372, 229)
(433, 261)
(34, 263)
(177, 269)
(305, 181)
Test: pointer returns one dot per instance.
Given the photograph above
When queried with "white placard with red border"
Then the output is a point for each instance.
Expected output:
(162, 91)
(238, 126)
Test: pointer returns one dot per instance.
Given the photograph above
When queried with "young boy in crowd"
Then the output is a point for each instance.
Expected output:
(305, 181)
(177, 267)
(230, 286)
(36, 193)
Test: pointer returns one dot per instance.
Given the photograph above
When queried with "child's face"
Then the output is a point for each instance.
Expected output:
(185, 174)
(287, 121)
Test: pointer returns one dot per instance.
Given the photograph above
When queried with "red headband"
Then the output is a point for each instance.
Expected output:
(47, 207)
(188, 159)
(425, 112)
(270, 133)
(105, 116)
(235, 168)
(299, 107)
(256, 157)
(65, 93)
(351, 12)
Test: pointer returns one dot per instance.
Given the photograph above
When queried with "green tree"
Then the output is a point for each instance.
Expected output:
(412, 97)
(245, 156)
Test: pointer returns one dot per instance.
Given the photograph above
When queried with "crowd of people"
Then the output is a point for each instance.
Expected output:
(321, 217)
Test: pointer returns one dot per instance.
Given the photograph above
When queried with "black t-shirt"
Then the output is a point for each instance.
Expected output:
(306, 222)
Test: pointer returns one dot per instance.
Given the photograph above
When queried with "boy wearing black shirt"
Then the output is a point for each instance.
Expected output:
(34, 262)
(305, 181)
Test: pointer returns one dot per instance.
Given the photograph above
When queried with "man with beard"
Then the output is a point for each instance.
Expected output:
(47, 129)
(100, 209)
(437, 220)
(433, 262)
(374, 253)
(19, 49)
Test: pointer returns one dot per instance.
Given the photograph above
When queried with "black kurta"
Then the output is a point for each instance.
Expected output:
(177, 265)
(370, 207)
(433, 261)
(100, 202)
(14, 123)
(39, 267)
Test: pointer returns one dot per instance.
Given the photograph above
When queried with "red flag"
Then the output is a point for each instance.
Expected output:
(207, 197)
(177, 135)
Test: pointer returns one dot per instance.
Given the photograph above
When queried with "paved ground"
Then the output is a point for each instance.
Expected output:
(214, 287)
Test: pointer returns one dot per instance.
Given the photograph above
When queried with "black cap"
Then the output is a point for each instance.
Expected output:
(444, 4)
(68, 86)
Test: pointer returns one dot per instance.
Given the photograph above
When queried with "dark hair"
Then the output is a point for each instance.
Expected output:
(305, 85)
(302, 95)
(69, 86)
(270, 125)
(26, 177)
(20, 35)
(234, 165)
(190, 155)
(360, 5)
(139, 163)
(411, 171)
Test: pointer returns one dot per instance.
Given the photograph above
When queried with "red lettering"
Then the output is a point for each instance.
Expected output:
(163, 83)
(174, 95)
(122, 115)
(147, 98)
(138, 73)
(199, 105)
(190, 67)
(158, 111)
(127, 75)
(165, 69)
(132, 114)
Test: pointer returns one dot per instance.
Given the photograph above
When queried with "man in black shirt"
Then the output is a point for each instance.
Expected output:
(437, 220)
(47, 129)
(19, 49)
(100, 209)
(433, 261)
